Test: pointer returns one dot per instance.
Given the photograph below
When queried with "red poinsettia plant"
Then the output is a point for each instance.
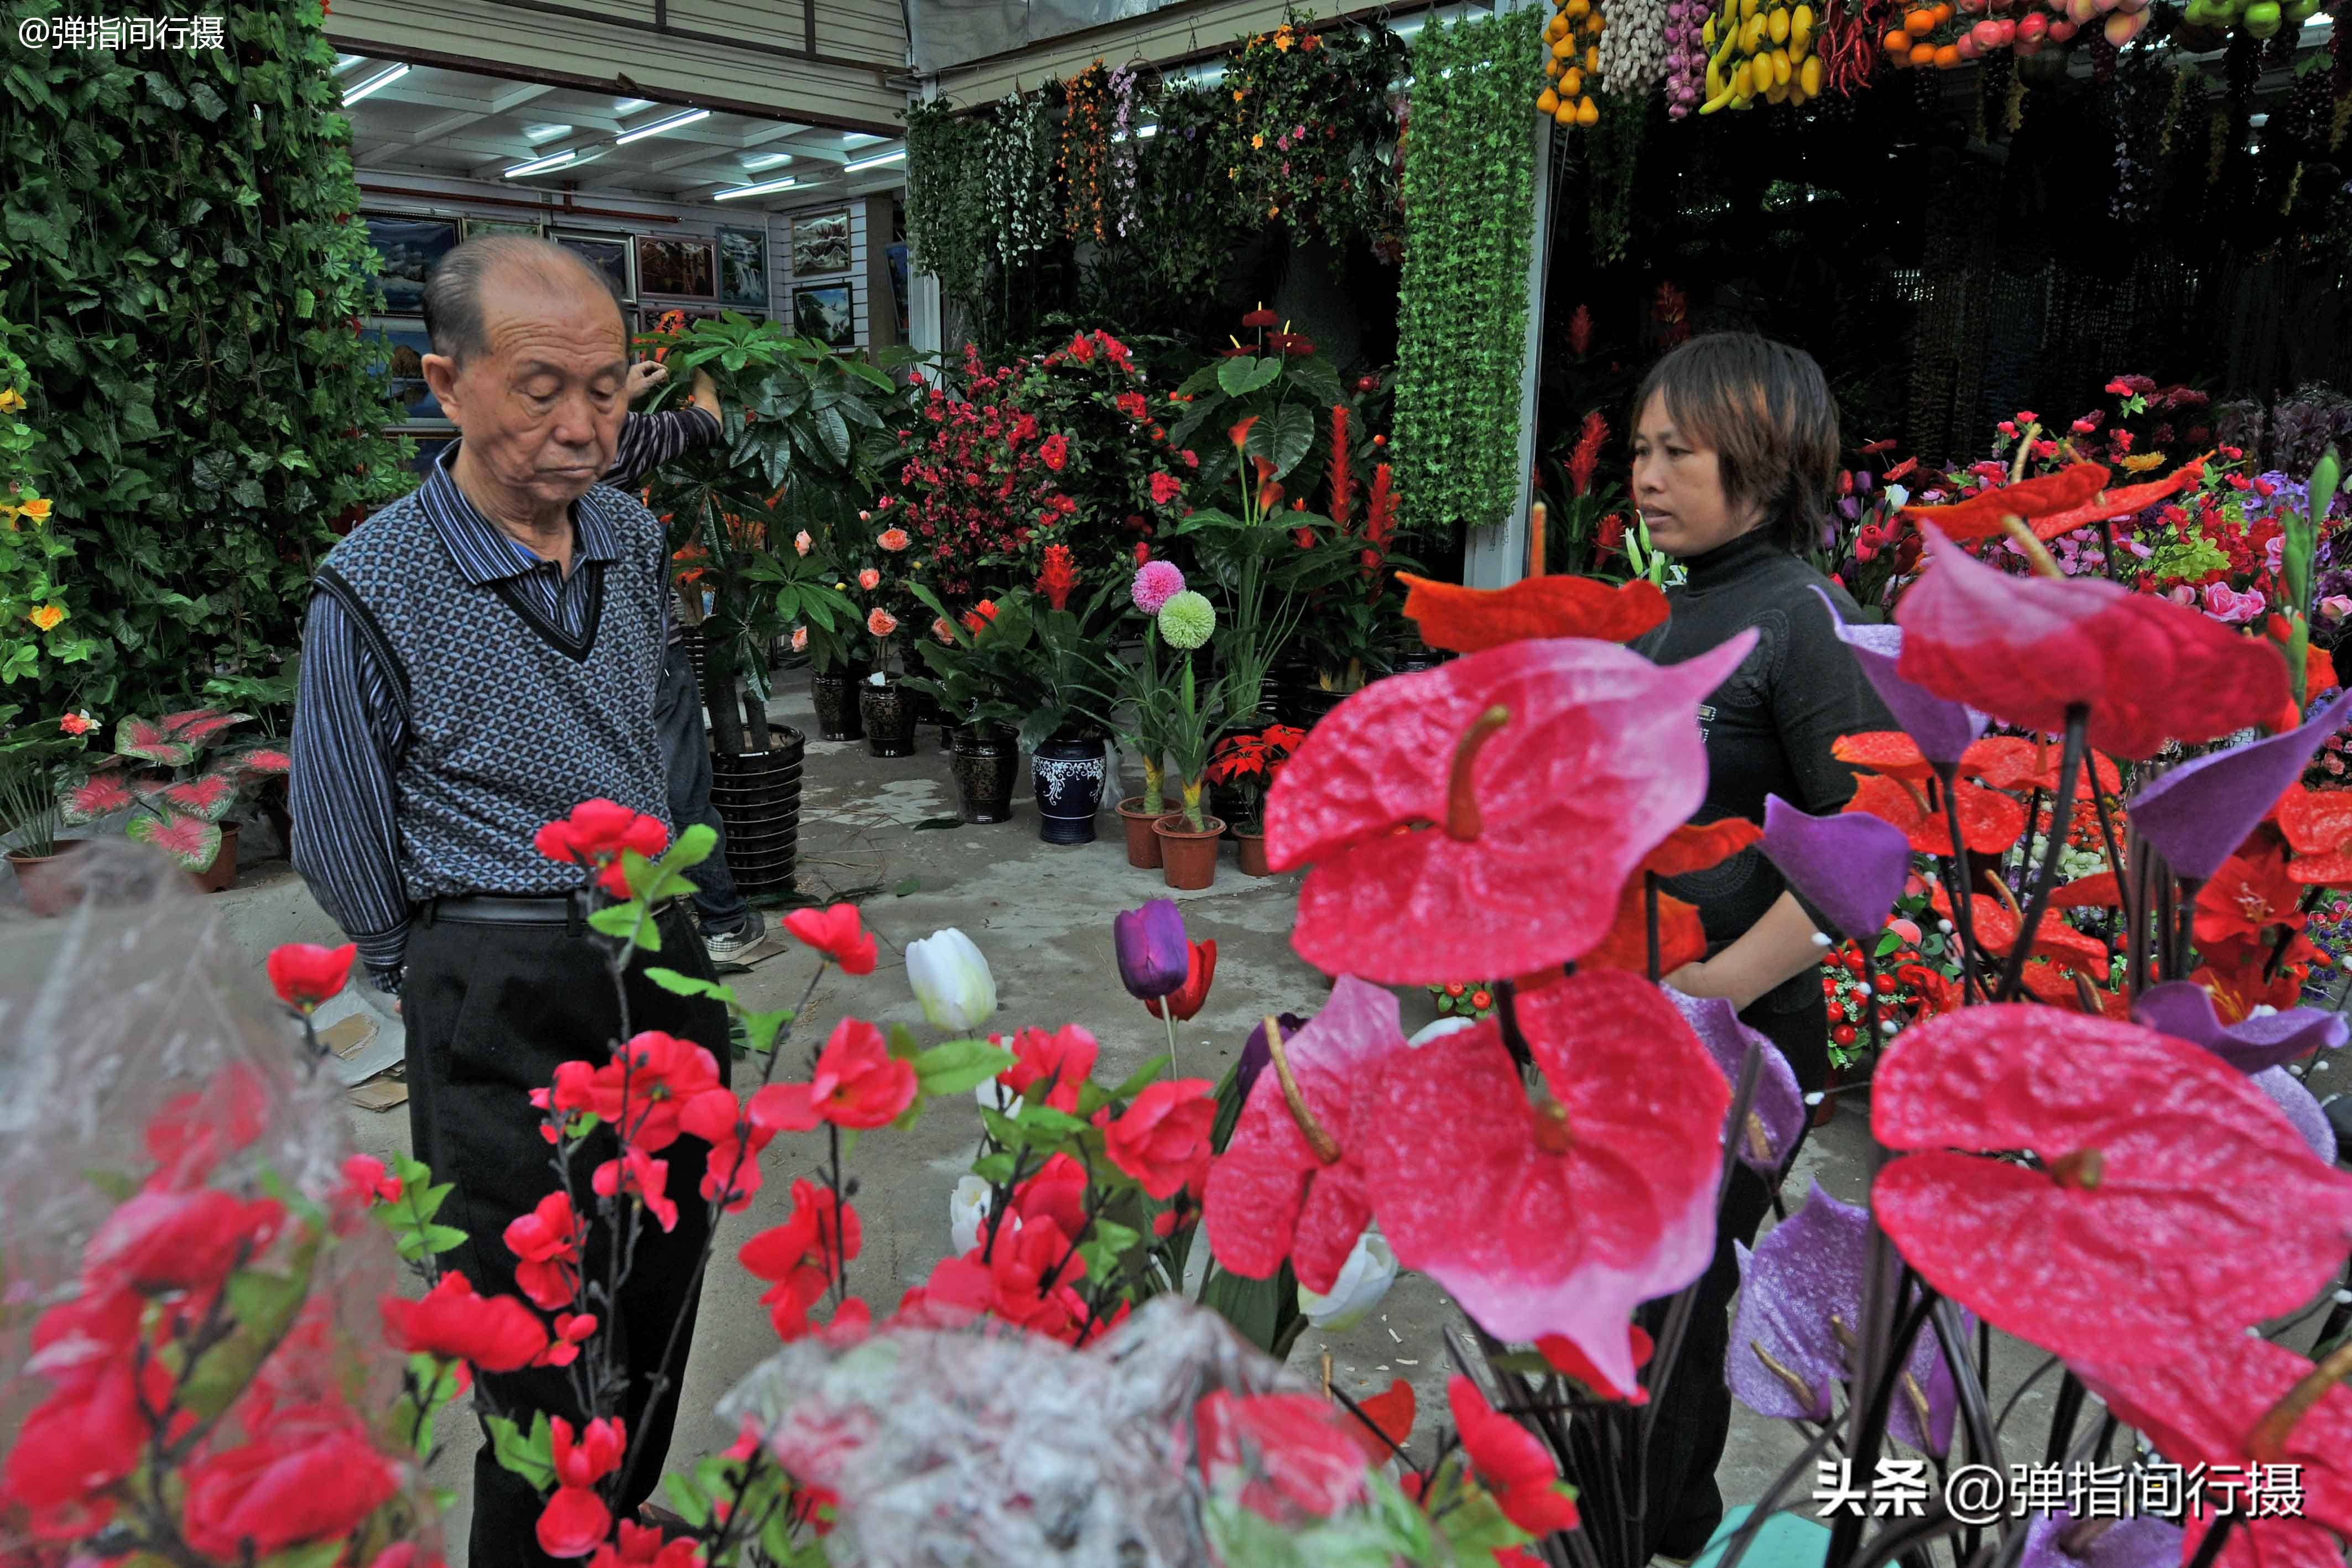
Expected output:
(176, 778)
(1247, 765)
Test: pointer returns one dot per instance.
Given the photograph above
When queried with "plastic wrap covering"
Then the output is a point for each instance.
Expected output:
(955, 32)
(967, 1448)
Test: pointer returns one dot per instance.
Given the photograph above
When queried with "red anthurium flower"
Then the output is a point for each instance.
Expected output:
(1566, 1358)
(2063, 988)
(1558, 1220)
(2163, 1168)
(495, 1334)
(836, 933)
(1544, 772)
(1996, 924)
(1280, 1191)
(310, 1474)
(801, 1257)
(1193, 995)
(1470, 620)
(2025, 649)
(2011, 762)
(1696, 846)
(2128, 501)
(648, 1082)
(1299, 1461)
(1980, 517)
(2318, 827)
(1990, 821)
(305, 974)
(858, 1084)
(2250, 893)
(1510, 1462)
(1382, 1422)
(1162, 1141)
(1061, 1060)
(1887, 751)
(2097, 890)
(547, 1243)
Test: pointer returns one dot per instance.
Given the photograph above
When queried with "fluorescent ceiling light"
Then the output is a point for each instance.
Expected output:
(1141, 131)
(675, 122)
(375, 84)
(540, 166)
(345, 62)
(858, 138)
(631, 105)
(874, 162)
(535, 134)
(762, 189)
(756, 160)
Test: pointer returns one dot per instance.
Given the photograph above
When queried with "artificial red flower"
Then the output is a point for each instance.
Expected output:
(1979, 516)
(1165, 489)
(1274, 1193)
(836, 933)
(1133, 405)
(94, 1429)
(1682, 937)
(2026, 649)
(1056, 451)
(305, 974)
(310, 1474)
(1995, 926)
(572, 1330)
(1469, 619)
(638, 1174)
(2162, 1169)
(1297, 1462)
(572, 1522)
(1557, 1221)
(1190, 997)
(1586, 456)
(1162, 1141)
(1383, 1421)
(1261, 317)
(1990, 821)
(1059, 578)
(1061, 1060)
(546, 1241)
(1549, 769)
(881, 621)
(801, 1259)
(978, 618)
(645, 1546)
(893, 540)
(2128, 501)
(158, 1241)
(493, 1334)
(2318, 827)
(736, 1134)
(1891, 752)
(1056, 1196)
(857, 1084)
(640, 1091)
(1565, 1358)
(869, 579)
(2251, 892)
(597, 834)
(1580, 331)
(576, 1522)
(1701, 846)
(366, 1182)
(2013, 762)
(1510, 1462)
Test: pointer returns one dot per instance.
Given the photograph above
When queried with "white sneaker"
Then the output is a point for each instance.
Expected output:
(724, 946)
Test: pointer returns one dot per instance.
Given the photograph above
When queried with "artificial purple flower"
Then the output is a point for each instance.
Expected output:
(2061, 1541)
(1851, 867)
(1155, 584)
(1942, 728)
(1153, 956)
(1255, 1056)
(2198, 814)
(1779, 1110)
(2287, 1093)
(1799, 1296)
(2183, 1009)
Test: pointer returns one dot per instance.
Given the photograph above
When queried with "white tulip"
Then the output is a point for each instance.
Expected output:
(1440, 1028)
(967, 1212)
(995, 1096)
(1366, 1277)
(952, 981)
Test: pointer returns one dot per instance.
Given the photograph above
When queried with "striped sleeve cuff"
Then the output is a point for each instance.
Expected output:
(385, 955)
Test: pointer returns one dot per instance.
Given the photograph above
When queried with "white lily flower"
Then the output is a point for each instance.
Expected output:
(967, 1213)
(952, 981)
(1364, 1280)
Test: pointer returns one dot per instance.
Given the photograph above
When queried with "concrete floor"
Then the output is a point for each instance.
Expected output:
(1042, 917)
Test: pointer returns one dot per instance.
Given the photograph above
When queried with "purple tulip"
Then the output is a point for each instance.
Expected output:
(1257, 1056)
(1153, 956)
(2184, 1009)
(1943, 729)
(2198, 814)
(1852, 867)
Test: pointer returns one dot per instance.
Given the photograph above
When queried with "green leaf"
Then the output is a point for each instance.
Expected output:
(1245, 374)
(760, 1028)
(906, 886)
(263, 1305)
(690, 985)
(1042, 1118)
(318, 1554)
(622, 920)
(1142, 1078)
(904, 1046)
(690, 1499)
(995, 1169)
(1887, 942)
(1293, 435)
(531, 1457)
(959, 1066)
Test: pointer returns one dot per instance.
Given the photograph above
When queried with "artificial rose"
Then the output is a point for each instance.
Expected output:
(310, 1474)
(859, 1084)
(1510, 1462)
(1061, 1060)
(493, 1334)
(1294, 1458)
(1162, 1141)
(547, 1243)
(638, 1175)
(801, 1257)
(305, 974)
(158, 1241)
(640, 1091)
(597, 834)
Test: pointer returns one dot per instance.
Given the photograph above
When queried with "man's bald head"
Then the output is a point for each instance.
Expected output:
(456, 315)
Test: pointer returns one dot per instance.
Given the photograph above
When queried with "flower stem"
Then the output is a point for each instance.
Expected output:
(2078, 719)
(1168, 1016)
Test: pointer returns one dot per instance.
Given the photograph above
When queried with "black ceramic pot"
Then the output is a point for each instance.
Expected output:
(1228, 801)
(1310, 702)
(758, 796)
(1067, 775)
(834, 692)
(888, 712)
(927, 714)
(985, 760)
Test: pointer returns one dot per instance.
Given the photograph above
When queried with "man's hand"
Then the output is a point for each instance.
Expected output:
(644, 376)
(705, 395)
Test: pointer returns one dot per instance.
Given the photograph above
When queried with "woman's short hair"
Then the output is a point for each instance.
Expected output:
(1766, 409)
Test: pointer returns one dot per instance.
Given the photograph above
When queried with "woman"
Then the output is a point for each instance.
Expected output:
(1735, 448)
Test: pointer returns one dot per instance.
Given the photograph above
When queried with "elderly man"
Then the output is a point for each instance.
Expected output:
(481, 656)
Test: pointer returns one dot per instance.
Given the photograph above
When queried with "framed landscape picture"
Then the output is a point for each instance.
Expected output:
(823, 310)
(743, 266)
(406, 248)
(404, 346)
(530, 228)
(676, 264)
(608, 254)
(821, 242)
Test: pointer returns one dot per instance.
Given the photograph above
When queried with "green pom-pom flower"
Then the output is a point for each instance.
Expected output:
(1187, 618)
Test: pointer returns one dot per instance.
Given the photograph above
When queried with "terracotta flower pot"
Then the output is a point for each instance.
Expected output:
(1188, 857)
(221, 875)
(48, 880)
(1251, 847)
(1142, 844)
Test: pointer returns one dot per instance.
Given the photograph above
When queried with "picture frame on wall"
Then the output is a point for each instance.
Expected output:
(821, 242)
(610, 254)
(530, 228)
(406, 247)
(826, 311)
(677, 265)
(743, 266)
(405, 346)
(899, 284)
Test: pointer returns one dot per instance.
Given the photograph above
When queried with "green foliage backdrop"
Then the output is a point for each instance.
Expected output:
(179, 245)
(1469, 198)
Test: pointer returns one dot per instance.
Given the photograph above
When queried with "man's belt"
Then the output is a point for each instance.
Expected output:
(516, 909)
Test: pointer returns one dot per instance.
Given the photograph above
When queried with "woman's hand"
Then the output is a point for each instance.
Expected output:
(644, 376)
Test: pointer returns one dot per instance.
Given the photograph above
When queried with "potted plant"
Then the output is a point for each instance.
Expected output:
(1068, 762)
(180, 799)
(1245, 765)
(1144, 695)
(29, 812)
(1188, 839)
(980, 678)
(885, 707)
(815, 599)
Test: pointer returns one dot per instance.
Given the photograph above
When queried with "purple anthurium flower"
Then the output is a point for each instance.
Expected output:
(1942, 728)
(2184, 1010)
(2061, 1541)
(1851, 867)
(1153, 957)
(1256, 1058)
(1800, 1307)
(2287, 1093)
(1776, 1119)
(2198, 814)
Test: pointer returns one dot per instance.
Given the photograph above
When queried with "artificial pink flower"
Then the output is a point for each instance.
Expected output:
(1162, 1141)
(494, 1333)
(546, 1241)
(857, 1084)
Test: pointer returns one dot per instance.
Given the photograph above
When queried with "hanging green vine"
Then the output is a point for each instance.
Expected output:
(1313, 126)
(1463, 300)
(1611, 150)
(948, 220)
(1019, 177)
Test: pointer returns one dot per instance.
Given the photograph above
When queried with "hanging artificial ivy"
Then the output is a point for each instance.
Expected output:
(1120, 177)
(1463, 300)
(1086, 150)
(1019, 177)
(949, 224)
(1313, 127)
(1612, 148)
(1186, 220)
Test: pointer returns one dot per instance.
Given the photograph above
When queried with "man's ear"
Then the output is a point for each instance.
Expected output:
(441, 375)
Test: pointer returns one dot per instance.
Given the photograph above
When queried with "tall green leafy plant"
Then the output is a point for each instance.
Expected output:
(179, 242)
(949, 227)
(1463, 296)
